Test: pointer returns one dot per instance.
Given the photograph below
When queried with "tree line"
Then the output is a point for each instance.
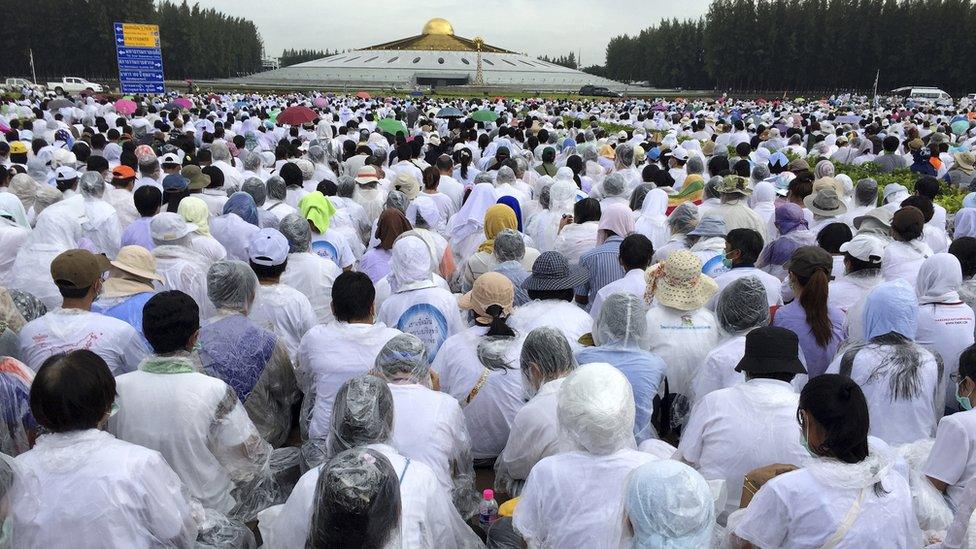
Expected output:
(77, 38)
(568, 61)
(293, 57)
(806, 45)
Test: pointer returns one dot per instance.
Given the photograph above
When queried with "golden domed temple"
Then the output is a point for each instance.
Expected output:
(436, 57)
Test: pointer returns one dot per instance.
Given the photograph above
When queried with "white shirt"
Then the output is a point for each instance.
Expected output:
(64, 330)
(87, 490)
(215, 200)
(902, 420)
(633, 282)
(769, 282)
(682, 339)
(185, 269)
(313, 276)
(177, 415)
(732, 431)
(428, 426)
(208, 247)
(431, 314)
(452, 188)
(564, 316)
(490, 414)
(576, 239)
(847, 291)
(428, 519)
(234, 234)
(953, 457)
(284, 311)
(797, 510)
(903, 261)
(333, 246)
(576, 499)
(330, 355)
(534, 435)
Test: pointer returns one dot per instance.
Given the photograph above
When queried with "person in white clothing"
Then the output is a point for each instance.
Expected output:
(477, 366)
(308, 273)
(862, 272)
(636, 251)
(902, 381)
(652, 221)
(904, 256)
(734, 430)
(951, 465)
(577, 233)
(277, 306)
(77, 275)
(681, 221)
(551, 287)
(546, 359)
(331, 354)
(435, 433)
(101, 225)
(742, 307)
(742, 249)
(680, 329)
(847, 496)
(67, 490)
(196, 421)
(363, 417)
(557, 508)
(652, 490)
(195, 211)
(417, 304)
(181, 267)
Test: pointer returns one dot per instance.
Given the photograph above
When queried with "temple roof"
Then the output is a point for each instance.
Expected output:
(438, 35)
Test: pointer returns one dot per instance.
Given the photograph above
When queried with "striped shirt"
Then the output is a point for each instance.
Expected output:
(604, 266)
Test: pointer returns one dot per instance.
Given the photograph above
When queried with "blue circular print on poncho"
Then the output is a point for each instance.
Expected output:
(427, 323)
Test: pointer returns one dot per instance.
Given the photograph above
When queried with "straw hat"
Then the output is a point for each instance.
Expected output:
(137, 261)
(678, 282)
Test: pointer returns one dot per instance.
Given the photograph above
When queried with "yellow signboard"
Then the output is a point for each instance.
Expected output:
(140, 36)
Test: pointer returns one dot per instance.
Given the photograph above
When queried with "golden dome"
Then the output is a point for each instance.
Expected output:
(438, 26)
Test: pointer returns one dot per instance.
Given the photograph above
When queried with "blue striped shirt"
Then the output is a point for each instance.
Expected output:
(603, 263)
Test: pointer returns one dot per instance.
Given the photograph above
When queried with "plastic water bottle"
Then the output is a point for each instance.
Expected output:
(487, 509)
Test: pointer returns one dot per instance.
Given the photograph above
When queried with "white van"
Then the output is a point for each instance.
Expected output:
(923, 94)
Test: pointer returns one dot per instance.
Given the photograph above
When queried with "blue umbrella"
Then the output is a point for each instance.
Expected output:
(449, 112)
(417, 93)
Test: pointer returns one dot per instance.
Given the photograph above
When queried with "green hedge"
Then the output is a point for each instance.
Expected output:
(949, 197)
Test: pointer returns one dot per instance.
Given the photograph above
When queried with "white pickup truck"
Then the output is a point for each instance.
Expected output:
(73, 84)
(18, 84)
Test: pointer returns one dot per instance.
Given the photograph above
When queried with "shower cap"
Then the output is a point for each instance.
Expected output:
(684, 218)
(404, 358)
(621, 322)
(742, 305)
(91, 184)
(614, 185)
(596, 409)
(296, 230)
(231, 285)
(509, 246)
(362, 414)
(255, 187)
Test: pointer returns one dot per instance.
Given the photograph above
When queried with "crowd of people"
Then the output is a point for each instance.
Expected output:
(331, 321)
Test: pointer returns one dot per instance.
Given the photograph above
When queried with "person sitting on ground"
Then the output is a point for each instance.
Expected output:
(196, 421)
(636, 252)
(742, 249)
(651, 490)
(129, 286)
(551, 287)
(252, 360)
(76, 467)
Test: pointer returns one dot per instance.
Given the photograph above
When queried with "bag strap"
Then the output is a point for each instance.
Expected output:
(477, 386)
(848, 522)
(404, 472)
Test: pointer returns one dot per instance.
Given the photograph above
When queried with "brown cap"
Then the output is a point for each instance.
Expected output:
(78, 269)
(489, 289)
(807, 260)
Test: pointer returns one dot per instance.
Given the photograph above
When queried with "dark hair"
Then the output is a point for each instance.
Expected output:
(147, 199)
(499, 322)
(463, 159)
(66, 184)
(72, 293)
(172, 198)
(890, 143)
(327, 188)
(432, 177)
(636, 252)
(216, 176)
(72, 391)
(833, 235)
(566, 294)
(838, 405)
(587, 209)
(748, 242)
(352, 296)
(169, 320)
(964, 248)
(268, 271)
(854, 264)
(801, 186)
(345, 520)
(927, 186)
(96, 163)
(444, 162)
(923, 203)
(742, 167)
(813, 299)
(967, 363)
(292, 174)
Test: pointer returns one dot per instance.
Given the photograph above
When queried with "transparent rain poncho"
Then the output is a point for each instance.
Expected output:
(505, 176)
(614, 185)
(91, 185)
(404, 360)
(295, 228)
(621, 323)
(548, 350)
(256, 188)
(742, 306)
(15, 383)
(231, 285)
(683, 219)
(356, 488)
(362, 414)
(509, 246)
(596, 410)
(277, 188)
(670, 506)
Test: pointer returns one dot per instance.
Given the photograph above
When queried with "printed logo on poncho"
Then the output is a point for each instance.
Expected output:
(427, 323)
(324, 248)
(714, 267)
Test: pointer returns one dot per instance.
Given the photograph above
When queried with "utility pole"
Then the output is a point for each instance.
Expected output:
(479, 77)
(33, 73)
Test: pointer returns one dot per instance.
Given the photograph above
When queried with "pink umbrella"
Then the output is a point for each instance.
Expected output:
(125, 106)
(320, 102)
(183, 102)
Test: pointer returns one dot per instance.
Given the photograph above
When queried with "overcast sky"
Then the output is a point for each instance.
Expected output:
(535, 27)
